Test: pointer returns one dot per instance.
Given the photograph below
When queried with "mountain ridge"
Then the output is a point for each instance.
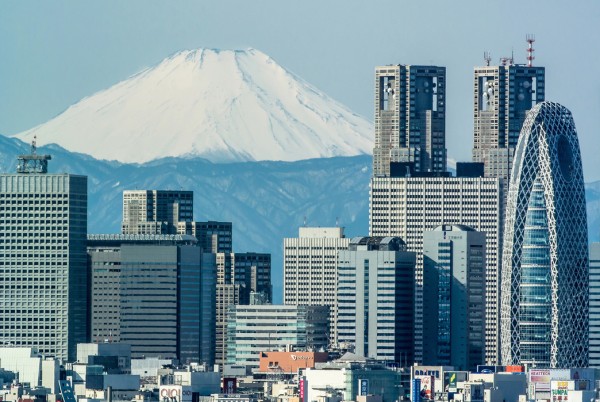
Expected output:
(221, 105)
(266, 201)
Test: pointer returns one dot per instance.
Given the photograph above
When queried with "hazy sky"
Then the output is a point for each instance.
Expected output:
(54, 53)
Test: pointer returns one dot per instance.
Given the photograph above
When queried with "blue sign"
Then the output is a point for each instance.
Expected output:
(415, 391)
(363, 387)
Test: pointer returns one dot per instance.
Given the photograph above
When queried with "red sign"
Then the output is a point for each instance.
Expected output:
(301, 390)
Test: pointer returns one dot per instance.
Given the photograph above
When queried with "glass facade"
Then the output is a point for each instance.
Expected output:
(535, 303)
(545, 272)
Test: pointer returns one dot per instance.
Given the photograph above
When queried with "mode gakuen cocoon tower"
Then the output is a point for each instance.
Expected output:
(545, 276)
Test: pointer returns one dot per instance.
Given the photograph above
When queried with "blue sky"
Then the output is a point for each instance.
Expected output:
(54, 53)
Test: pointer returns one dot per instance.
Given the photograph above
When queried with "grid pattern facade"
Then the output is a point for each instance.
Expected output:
(155, 292)
(454, 308)
(502, 96)
(255, 329)
(545, 275)
(594, 305)
(375, 303)
(156, 211)
(310, 265)
(43, 293)
(408, 206)
(410, 118)
(213, 237)
(238, 275)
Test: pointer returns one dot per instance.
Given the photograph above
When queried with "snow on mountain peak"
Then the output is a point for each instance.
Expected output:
(222, 105)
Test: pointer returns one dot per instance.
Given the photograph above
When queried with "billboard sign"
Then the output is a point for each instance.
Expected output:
(415, 390)
(363, 387)
(427, 384)
(229, 385)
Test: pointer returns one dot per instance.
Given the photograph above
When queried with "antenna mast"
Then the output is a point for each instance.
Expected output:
(530, 39)
(487, 57)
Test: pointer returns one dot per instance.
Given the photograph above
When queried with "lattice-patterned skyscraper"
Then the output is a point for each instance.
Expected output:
(545, 256)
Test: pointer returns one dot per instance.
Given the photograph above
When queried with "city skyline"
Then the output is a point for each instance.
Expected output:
(67, 76)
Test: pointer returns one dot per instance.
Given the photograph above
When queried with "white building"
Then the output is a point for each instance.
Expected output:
(408, 206)
(263, 328)
(310, 264)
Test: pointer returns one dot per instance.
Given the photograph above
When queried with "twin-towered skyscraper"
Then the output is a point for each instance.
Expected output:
(544, 246)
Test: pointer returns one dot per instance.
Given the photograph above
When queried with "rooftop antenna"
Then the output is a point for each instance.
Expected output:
(487, 56)
(304, 220)
(530, 39)
(512, 56)
(33, 163)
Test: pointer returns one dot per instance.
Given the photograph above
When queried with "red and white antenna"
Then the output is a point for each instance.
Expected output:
(530, 39)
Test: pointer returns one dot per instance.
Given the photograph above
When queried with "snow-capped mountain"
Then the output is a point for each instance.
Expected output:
(219, 105)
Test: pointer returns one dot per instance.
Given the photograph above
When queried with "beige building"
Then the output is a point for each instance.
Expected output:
(310, 264)
(408, 206)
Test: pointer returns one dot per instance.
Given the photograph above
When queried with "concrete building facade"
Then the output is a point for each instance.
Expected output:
(156, 211)
(43, 225)
(407, 207)
(155, 292)
(410, 118)
(310, 268)
(239, 275)
(263, 328)
(375, 303)
(454, 305)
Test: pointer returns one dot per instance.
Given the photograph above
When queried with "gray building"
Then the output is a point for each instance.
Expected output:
(502, 96)
(43, 226)
(264, 328)
(454, 301)
(407, 207)
(213, 237)
(239, 275)
(594, 305)
(410, 118)
(375, 298)
(156, 211)
(155, 292)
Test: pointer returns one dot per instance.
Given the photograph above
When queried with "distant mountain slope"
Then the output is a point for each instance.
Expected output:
(266, 201)
(219, 105)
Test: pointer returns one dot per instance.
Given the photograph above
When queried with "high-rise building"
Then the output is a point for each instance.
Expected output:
(239, 275)
(156, 211)
(310, 268)
(502, 97)
(410, 118)
(265, 328)
(43, 227)
(213, 237)
(454, 305)
(406, 207)
(155, 292)
(545, 276)
(594, 305)
(375, 303)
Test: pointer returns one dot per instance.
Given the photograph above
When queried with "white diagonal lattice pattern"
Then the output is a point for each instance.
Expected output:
(548, 154)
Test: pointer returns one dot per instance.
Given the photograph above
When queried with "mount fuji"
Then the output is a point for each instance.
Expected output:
(220, 105)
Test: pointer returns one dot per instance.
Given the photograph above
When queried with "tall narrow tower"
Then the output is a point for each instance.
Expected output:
(410, 118)
(545, 275)
(502, 96)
